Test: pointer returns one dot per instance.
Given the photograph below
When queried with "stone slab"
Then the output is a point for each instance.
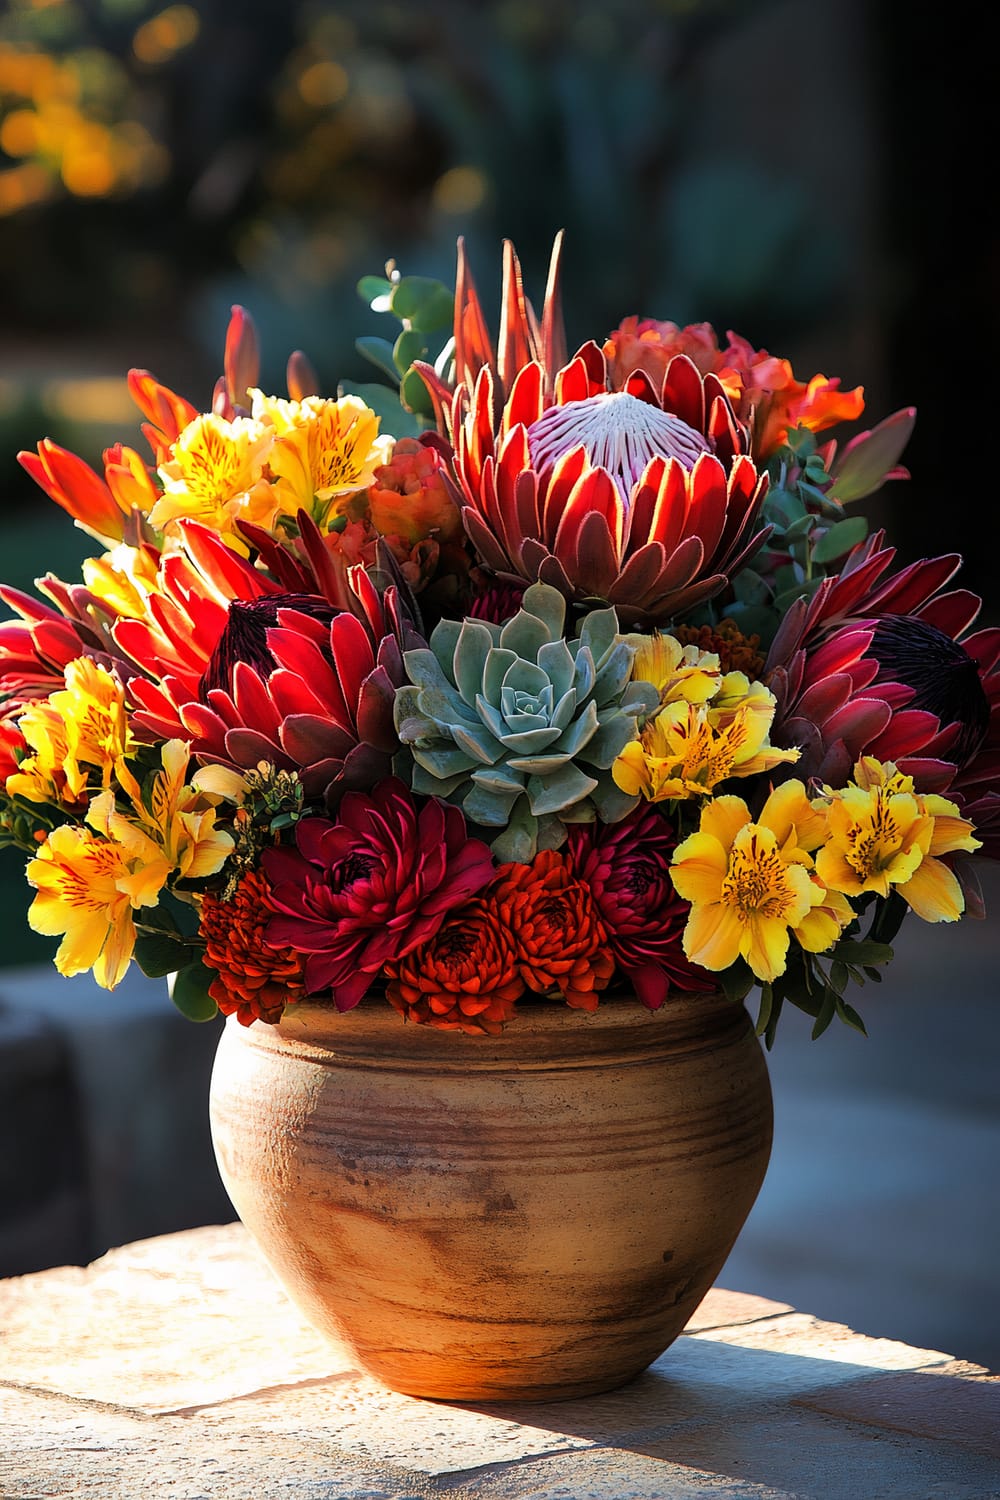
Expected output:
(965, 1408)
(181, 1358)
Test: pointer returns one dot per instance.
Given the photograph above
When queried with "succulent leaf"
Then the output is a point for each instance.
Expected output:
(520, 726)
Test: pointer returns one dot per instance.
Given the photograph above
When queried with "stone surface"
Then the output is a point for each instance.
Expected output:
(176, 1367)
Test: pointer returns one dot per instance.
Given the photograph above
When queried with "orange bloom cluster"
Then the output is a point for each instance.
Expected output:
(466, 978)
(762, 388)
(561, 941)
(412, 507)
(736, 652)
(534, 927)
(255, 981)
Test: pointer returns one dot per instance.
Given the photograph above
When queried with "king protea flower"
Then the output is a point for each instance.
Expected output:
(643, 497)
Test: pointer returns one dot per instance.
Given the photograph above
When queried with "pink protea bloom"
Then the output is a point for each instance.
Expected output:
(626, 866)
(368, 889)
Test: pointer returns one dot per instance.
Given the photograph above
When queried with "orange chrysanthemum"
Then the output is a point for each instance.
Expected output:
(465, 978)
(255, 981)
(736, 652)
(561, 941)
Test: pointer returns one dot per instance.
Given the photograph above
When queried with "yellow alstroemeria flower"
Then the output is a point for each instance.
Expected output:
(679, 673)
(884, 836)
(216, 475)
(74, 733)
(123, 579)
(173, 832)
(687, 749)
(80, 898)
(751, 888)
(89, 883)
(324, 450)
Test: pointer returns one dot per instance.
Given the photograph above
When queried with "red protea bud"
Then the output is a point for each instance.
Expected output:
(242, 358)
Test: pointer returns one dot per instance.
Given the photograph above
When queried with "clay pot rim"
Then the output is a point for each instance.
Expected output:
(542, 1035)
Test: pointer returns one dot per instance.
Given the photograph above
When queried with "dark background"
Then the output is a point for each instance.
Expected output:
(815, 174)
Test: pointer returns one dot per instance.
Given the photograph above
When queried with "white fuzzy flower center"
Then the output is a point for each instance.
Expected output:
(620, 434)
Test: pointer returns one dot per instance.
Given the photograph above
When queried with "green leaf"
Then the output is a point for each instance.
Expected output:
(804, 590)
(737, 981)
(838, 976)
(849, 1015)
(771, 1029)
(159, 954)
(785, 506)
(189, 992)
(800, 528)
(158, 917)
(425, 304)
(888, 918)
(826, 1014)
(385, 403)
(749, 587)
(862, 467)
(409, 346)
(764, 1013)
(862, 951)
(415, 395)
(840, 539)
(379, 353)
(375, 290)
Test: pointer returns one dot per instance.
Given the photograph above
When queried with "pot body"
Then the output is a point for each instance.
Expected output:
(529, 1216)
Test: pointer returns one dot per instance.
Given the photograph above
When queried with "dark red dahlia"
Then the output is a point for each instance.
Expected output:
(627, 867)
(371, 887)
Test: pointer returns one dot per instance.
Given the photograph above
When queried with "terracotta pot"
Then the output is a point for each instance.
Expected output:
(535, 1215)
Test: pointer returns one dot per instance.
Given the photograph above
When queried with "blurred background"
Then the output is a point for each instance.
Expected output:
(802, 171)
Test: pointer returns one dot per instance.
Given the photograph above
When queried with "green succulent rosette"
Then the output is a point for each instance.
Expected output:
(520, 726)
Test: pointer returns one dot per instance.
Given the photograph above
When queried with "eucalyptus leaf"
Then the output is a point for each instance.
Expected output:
(159, 954)
(423, 303)
(188, 989)
(839, 540)
(375, 289)
(409, 346)
(378, 352)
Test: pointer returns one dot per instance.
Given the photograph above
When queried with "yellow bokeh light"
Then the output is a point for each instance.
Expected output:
(88, 173)
(161, 36)
(20, 187)
(323, 84)
(89, 398)
(19, 132)
(460, 190)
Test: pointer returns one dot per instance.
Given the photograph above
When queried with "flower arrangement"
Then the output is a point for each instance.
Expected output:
(524, 677)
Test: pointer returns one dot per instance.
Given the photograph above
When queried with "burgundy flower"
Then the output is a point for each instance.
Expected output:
(883, 664)
(371, 887)
(627, 867)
